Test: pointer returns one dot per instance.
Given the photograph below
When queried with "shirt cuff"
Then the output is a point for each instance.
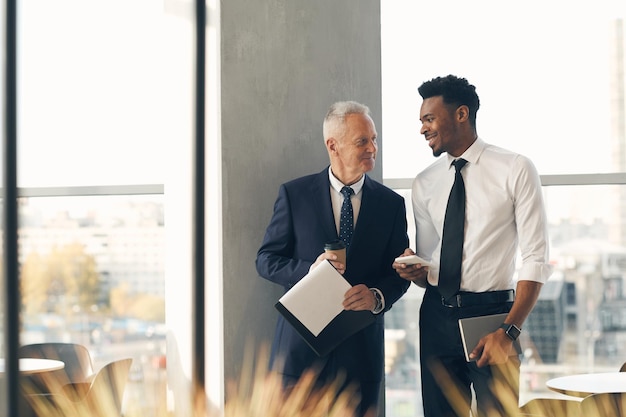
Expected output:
(535, 271)
(380, 300)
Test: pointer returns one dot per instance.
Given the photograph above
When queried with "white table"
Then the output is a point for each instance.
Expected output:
(35, 365)
(582, 385)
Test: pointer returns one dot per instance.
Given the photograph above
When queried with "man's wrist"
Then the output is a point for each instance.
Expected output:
(380, 300)
(511, 330)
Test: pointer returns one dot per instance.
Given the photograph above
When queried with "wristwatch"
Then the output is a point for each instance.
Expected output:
(379, 301)
(511, 330)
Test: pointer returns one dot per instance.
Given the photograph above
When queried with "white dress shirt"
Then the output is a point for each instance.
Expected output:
(504, 211)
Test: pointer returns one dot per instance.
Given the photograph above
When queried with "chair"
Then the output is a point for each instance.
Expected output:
(551, 407)
(612, 404)
(102, 397)
(77, 359)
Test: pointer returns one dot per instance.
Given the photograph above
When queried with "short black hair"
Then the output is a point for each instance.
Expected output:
(455, 91)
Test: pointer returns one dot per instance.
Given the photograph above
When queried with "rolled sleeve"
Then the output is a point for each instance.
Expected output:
(535, 271)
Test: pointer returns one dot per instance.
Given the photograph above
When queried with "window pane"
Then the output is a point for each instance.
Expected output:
(551, 81)
(92, 273)
(579, 322)
(102, 87)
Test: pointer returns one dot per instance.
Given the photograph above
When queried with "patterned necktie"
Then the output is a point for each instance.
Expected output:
(453, 234)
(346, 220)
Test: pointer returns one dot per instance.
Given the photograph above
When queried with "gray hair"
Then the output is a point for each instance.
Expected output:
(336, 115)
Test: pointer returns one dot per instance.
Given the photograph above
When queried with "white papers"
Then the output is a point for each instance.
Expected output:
(317, 298)
(314, 307)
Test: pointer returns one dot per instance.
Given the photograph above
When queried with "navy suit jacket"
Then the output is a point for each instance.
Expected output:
(302, 222)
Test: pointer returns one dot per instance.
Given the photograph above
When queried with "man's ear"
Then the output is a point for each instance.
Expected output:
(462, 113)
(331, 144)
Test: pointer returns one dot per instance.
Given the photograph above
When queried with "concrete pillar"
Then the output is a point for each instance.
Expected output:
(283, 63)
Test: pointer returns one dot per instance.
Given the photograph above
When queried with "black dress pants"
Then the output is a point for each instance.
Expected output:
(447, 379)
(364, 395)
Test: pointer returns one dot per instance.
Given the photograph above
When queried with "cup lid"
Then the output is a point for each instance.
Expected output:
(334, 245)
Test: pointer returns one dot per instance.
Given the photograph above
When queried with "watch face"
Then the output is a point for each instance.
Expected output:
(513, 332)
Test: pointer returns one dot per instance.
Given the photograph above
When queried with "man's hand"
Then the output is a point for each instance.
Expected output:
(416, 273)
(358, 298)
(493, 349)
(333, 260)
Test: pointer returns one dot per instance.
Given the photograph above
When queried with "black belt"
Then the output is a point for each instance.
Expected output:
(468, 299)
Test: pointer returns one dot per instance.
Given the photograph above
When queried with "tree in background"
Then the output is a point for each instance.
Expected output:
(139, 306)
(66, 279)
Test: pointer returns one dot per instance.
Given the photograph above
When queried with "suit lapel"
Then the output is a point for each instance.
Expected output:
(321, 199)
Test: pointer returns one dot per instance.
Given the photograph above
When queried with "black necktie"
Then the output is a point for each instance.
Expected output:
(346, 220)
(453, 232)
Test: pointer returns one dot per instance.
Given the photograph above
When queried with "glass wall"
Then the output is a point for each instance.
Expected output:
(104, 93)
(552, 87)
(92, 273)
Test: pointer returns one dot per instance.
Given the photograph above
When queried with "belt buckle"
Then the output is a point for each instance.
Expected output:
(443, 302)
(456, 298)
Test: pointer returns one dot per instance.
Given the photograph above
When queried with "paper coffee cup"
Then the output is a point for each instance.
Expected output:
(338, 248)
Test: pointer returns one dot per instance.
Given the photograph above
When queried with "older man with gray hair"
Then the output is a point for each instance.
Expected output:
(340, 202)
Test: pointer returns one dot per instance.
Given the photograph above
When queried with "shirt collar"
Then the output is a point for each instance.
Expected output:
(471, 154)
(338, 185)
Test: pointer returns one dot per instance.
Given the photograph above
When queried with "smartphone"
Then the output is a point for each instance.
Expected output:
(412, 259)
